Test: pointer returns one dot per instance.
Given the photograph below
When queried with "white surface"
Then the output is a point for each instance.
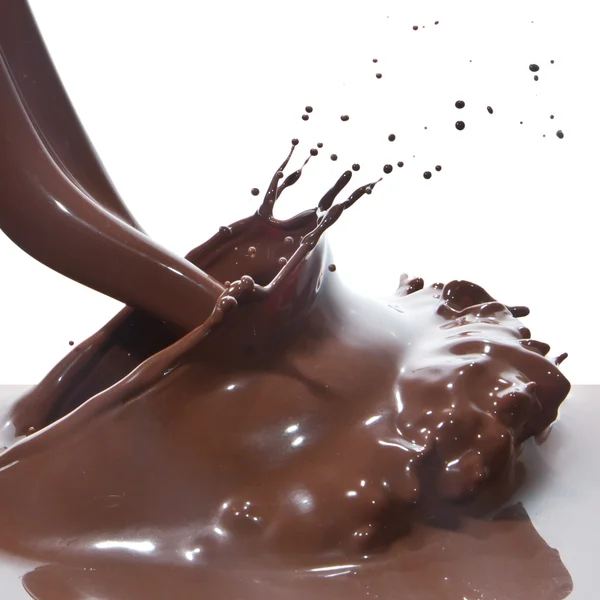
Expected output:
(562, 490)
(192, 105)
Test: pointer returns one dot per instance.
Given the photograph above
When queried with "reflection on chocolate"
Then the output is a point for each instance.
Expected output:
(247, 427)
(483, 557)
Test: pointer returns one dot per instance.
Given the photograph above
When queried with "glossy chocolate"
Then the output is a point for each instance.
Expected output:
(253, 429)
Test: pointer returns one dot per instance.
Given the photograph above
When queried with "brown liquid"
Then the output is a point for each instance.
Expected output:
(274, 437)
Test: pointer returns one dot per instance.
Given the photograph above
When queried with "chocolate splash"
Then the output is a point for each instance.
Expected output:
(253, 429)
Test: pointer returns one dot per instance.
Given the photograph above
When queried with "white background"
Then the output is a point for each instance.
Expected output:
(191, 104)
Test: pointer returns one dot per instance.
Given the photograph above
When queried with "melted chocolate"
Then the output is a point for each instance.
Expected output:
(247, 427)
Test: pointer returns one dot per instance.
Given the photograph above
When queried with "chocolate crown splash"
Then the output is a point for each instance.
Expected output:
(246, 411)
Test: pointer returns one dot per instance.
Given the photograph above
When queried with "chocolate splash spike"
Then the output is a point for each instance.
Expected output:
(266, 208)
(536, 346)
(89, 243)
(291, 179)
(50, 110)
(359, 193)
(559, 359)
(328, 199)
(518, 311)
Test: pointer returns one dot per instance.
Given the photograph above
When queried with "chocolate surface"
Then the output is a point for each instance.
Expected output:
(246, 413)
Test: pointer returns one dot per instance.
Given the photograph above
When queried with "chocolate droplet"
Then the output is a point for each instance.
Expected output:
(534, 68)
(374, 60)
(400, 164)
(535, 77)
(490, 110)
(334, 157)
(320, 145)
(71, 343)
(415, 27)
(460, 125)
(344, 117)
(305, 117)
(438, 167)
(309, 109)
(314, 152)
(378, 75)
(427, 174)
(255, 191)
(356, 167)
(388, 169)
(560, 134)
(459, 104)
(391, 137)
(332, 268)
